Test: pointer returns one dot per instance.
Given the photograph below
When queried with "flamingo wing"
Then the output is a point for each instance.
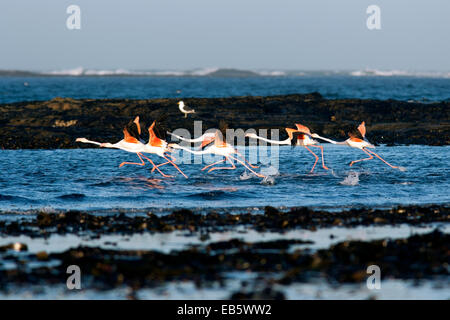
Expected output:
(218, 139)
(358, 133)
(362, 128)
(153, 140)
(295, 137)
(290, 132)
(127, 137)
(303, 129)
(132, 131)
(207, 140)
(138, 126)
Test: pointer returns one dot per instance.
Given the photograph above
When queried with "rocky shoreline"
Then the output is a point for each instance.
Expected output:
(277, 262)
(57, 123)
(215, 220)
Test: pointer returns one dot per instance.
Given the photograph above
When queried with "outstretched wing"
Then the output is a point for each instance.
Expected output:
(128, 137)
(208, 138)
(303, 129)
(162, 128)
(295, 137)
(290, 132)
(153, 140)
(362, 128)
(358, 133)
(132, 131)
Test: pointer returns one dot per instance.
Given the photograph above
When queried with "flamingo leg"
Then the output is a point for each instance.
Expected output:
(257, 174)
(160, 165)
(243, 158)
(376, 155)
(167, 162)
(156, 167)
(175, 166)
(315, 155)
(370, 157)
(170, 156)
(135, 163)
(224, 168)
(323, 161)
(210, 165)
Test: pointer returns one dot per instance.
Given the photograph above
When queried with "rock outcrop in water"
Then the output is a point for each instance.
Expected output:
(56, 123)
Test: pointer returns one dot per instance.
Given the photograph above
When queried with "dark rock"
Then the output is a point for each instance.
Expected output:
(58, 122)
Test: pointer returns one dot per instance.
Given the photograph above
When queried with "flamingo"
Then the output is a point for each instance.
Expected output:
(160, 147)
(296, 137)
(205, 138)
(181, 106)
(357, 139)
(130, 143)
(222, 148)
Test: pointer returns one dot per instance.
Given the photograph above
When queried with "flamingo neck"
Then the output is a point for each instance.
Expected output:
(331, 141)
(91, 142)
(287, 141)
(190, 150)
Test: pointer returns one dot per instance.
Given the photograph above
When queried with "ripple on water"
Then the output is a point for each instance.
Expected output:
(72, 196)
(99, 183)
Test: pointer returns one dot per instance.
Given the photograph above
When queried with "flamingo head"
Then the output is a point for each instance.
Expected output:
(315, 135)
(81, 140)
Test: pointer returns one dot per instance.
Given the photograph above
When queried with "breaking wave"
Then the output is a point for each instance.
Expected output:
(398, 73)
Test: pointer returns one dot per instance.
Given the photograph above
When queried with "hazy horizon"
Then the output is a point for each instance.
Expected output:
(285, 35)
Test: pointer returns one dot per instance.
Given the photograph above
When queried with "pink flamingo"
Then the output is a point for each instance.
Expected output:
(161, 148)
(129, 143)
(296, 137)
(222, 148)
(357, 139)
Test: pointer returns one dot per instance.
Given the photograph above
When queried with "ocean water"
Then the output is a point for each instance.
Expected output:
(334, 86)
(90, 179)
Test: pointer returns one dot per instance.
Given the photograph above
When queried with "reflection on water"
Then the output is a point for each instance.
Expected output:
(314, 288)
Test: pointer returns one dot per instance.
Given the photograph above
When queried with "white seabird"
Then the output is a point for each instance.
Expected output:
(181, 106)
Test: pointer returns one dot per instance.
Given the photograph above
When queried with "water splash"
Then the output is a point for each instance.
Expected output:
(352, 179)
(269, 171)
(268, 180)
(246, 175)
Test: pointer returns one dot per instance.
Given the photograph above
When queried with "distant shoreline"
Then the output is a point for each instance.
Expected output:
(223, 73)
(56, 123)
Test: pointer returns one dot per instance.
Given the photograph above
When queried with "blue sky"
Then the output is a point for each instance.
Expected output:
(246, 34)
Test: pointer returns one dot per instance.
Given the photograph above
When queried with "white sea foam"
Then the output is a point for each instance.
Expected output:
(399, 73)
(274, 73)
(270, 171)
(268, 180)
(203, 72)
(246, 175)
(68, 72)
(352, 179)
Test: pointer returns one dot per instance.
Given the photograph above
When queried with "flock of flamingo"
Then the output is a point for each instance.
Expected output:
(213, 143)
